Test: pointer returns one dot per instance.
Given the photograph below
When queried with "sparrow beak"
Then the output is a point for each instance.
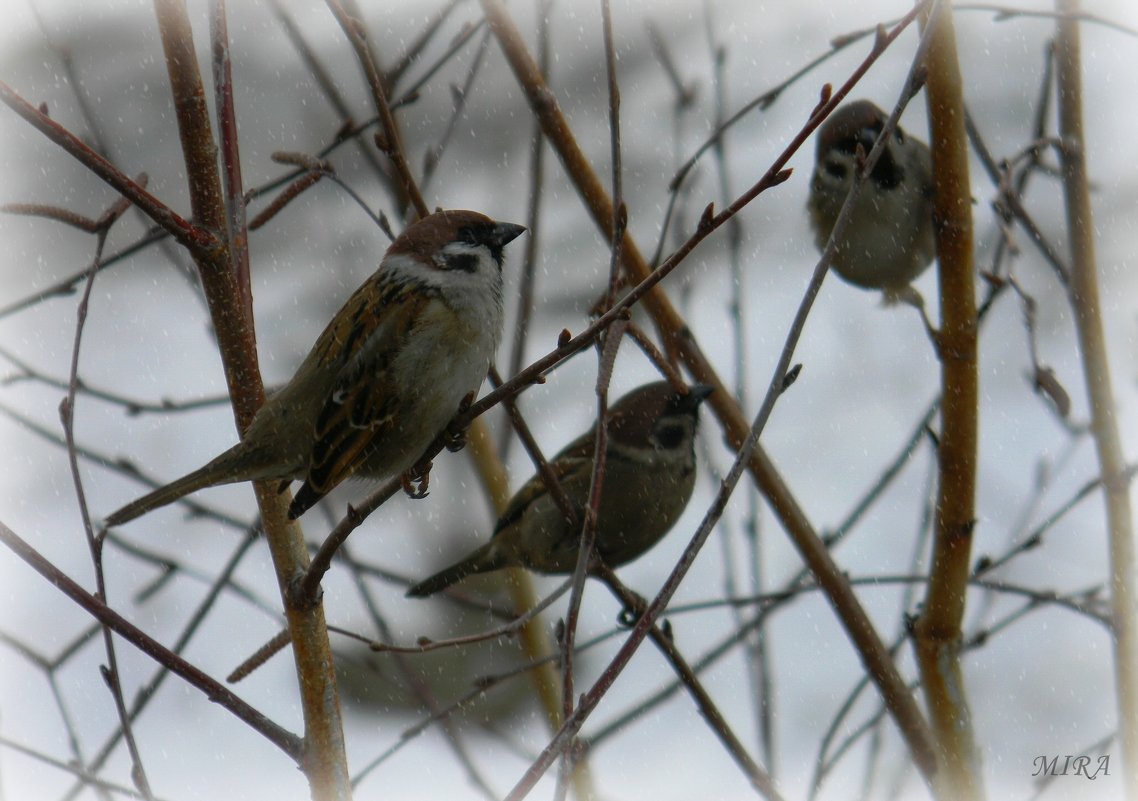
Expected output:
(697, 394)
(503, 233)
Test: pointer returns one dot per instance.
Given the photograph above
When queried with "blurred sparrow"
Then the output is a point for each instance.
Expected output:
(649, 476)
(889, 239)
(386, 375)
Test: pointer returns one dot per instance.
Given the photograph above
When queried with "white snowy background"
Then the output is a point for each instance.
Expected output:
(1041, 687)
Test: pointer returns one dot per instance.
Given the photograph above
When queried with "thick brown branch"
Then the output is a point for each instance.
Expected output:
(324, 759)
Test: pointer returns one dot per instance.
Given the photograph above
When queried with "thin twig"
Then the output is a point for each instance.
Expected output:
(132, 406)
(215, 691)
(508, 629)
(610, 343)
(433, 157)
(390, 142)
(83, 775)
(1084, 297)
(1003, 13)
(586, 551)
(1011, 200)
(66, 287)
(325, 82)
(277, 643)
(548, 475)
(758, 777)
(417, 683)
(591, 698)
(196, 238)
(111, 673)
(419, 44)
(527, 281)
(758, 663)
(148, 691)
(853, 617)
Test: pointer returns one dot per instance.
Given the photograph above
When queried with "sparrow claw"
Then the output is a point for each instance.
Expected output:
(911, 297)
(627, 618)
(454, 439)
(416, 480)
(454, 435)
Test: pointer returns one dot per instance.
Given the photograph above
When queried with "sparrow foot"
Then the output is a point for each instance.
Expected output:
(417, 480)
(909, 296)
(454, 435)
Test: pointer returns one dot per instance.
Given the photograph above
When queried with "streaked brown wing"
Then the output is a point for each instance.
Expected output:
(361, 405)
(349, 330)
(572, 460)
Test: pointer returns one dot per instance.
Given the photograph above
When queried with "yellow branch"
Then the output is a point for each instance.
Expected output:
(938, 631)
(1096, 369)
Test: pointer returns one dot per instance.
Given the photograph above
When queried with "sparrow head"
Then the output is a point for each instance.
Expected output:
(456, 240)
(656, 416)
(857, 123)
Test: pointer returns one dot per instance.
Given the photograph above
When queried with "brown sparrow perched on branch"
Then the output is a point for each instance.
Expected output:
(889, 239)
(649, 476)
(386, 375)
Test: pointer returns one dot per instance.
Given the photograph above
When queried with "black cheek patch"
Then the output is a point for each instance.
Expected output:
(466, 262)
(836, 169)
(887, 173)
(670, 436)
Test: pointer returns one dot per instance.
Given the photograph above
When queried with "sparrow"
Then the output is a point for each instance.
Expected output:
(385, 377)
(889, 239)
(649, 475)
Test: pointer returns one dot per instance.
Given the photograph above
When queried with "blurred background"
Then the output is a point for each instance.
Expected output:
(1040, 677)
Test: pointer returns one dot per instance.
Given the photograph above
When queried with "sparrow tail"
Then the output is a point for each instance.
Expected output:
(306, 497)
(161, 496)
(218, 471)
(482, 560)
